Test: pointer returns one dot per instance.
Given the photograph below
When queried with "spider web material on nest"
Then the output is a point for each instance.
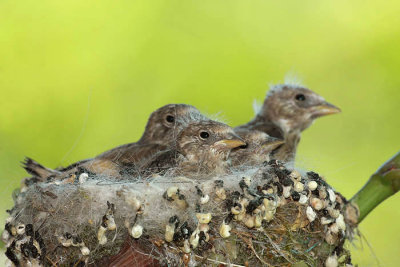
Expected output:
(268, 215)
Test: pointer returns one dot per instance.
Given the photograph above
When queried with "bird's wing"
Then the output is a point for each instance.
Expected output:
(287, 151)
(73, 166)
(160, 162)
(115, 153)
(132, 153)
(272, 130)
(126, 159)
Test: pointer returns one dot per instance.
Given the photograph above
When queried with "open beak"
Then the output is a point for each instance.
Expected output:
(229, 143)
(271, 145)
(325, 109)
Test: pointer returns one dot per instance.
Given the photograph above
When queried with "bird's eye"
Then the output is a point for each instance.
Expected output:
(204, 135)
(300, 97)
(170, 118)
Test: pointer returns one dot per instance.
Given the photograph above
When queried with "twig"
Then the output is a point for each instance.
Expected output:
(211, 260)
(384, 183)
(249, 243)
(220, 262)
(277, 248)
(52, 262)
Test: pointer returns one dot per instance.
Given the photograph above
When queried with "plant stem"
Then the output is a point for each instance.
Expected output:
(384, 183)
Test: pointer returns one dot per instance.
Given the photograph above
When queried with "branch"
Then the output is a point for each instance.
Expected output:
(384, 183)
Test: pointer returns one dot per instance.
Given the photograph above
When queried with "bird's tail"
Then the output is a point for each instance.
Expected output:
(36, 169)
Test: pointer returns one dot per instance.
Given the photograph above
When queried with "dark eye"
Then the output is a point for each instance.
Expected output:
(300, 97)
(170, 118)
(204, 135)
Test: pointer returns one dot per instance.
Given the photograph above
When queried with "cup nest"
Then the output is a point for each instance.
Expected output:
(267, 215)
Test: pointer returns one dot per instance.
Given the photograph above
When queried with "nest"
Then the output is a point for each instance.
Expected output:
(270, 215)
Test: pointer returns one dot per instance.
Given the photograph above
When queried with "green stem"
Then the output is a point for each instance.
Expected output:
(384, 183)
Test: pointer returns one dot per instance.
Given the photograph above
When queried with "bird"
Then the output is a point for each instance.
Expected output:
(162, 127)
(258, 149)
(160, 134)
(202, 148)
(288, 109)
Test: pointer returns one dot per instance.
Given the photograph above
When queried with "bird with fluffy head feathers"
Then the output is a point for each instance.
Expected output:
(161, 131)
(258, 149)
(160, 134)
(202, 149)
(286, 112)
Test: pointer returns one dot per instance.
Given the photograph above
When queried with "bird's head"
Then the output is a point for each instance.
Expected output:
(258, 149)
(294, 107)
(208, 139)
(166, 122)
(260, 142)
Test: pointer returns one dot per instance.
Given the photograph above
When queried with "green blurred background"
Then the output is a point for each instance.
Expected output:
(80, 77)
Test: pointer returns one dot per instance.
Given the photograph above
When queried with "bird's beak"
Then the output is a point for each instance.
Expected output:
(229, 143)
(325, 109)
(273, 144)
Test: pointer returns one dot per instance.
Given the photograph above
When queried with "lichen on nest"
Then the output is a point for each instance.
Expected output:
(269, 215)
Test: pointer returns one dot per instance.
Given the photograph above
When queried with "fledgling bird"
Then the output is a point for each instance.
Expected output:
(160, 134)
(258, 149)
(162, 128)
(287, 111)
(202, 148)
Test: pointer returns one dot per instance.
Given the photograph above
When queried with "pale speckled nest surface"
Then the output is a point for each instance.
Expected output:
(269, 215)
